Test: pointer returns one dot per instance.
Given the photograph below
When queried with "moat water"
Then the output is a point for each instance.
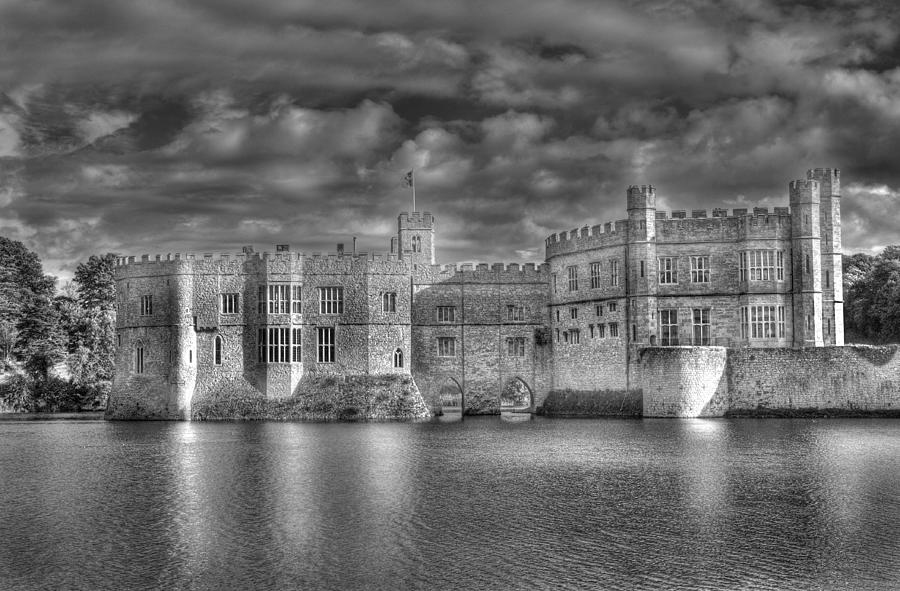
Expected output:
(483, 503)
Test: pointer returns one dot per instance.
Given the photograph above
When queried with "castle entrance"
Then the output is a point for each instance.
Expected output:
(451, 399)
(516, 400)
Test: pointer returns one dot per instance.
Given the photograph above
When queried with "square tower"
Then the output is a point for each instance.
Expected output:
(415, 237)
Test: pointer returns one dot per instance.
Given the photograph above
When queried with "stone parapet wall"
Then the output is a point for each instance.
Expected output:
(714, 381)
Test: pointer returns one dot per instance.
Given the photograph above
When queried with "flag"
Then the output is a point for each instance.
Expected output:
(408, 179)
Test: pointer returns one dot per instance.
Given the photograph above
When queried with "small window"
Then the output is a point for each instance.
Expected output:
(700, 269)
(601, 331)
(614, 273)
(575, 336)
(274, 299)
(612, 306)
(296, 345)
(701, 326)
(515, 346)
(389, 302)
(598, 310)
(668, 270)
(139, 357)
(515, 313)
(229, 303)
(190, 355)
(296, 299)
(573, 313)
(417, 244)
(572, 273)
(553, 281)
(398, 358)
(331, 300)
(613, 329)
(446, 346)
(446, 314)
(557, 315)
(272, 345)
(325, 344)
(595, 275)
(668, 327)
(642, 268)
(217, 351)
(147, 305)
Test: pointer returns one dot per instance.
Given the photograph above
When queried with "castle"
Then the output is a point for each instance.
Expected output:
(270, 324)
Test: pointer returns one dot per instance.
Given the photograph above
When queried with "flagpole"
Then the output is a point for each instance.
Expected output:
(413, 185)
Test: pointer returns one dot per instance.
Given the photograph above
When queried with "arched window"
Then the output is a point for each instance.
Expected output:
(417, 244)
(398, 358)
(139, 357)
(217, 352)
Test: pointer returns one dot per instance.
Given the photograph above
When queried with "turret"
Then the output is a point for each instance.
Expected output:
(415, 237)
(806, 263)
(829, 180)
(642, 278)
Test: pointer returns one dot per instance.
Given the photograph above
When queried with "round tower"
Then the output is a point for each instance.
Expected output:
(641, 276)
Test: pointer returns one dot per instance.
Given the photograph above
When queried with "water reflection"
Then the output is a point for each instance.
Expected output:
(483, 503)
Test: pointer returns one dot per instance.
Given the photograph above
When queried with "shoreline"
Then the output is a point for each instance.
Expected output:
(92, 415)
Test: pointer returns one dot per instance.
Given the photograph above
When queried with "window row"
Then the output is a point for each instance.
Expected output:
(668, 269)
(598, 310)
(596, 276)
(274, 346)
(448, 314)
(446, 346)
(669, 334)
(572, 336)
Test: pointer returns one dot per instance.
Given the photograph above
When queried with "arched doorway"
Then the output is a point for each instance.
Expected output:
(451, 397)
(516, 396)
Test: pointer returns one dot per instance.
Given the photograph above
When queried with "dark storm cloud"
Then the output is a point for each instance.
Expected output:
(171, 126)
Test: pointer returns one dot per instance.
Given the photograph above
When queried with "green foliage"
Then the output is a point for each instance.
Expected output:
(17, 394)
(40, 331)
(41, 340)
(95, 283)
(872, 296)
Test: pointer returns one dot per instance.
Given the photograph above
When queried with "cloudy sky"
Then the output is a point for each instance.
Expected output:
(202, 126)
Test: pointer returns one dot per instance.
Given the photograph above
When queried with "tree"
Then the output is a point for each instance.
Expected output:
(41, 340)
(872, 296)
(95, 283)
(93, 325)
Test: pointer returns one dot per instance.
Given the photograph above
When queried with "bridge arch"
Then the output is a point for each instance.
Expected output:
(450, 394)
(516, 394)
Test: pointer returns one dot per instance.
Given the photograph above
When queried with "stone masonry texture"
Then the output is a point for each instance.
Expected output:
(698, 311)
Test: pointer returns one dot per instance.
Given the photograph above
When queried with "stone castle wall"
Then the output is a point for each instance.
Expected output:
(179, 336)
(482, 366)
(581, 339)
(715, 381)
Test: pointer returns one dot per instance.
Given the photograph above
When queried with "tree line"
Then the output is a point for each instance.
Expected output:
(57, 349)
(872, 297)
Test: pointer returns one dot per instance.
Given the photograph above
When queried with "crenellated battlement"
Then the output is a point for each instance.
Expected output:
(423, 218)
(177, 257)
(668, 222)
(484, 273)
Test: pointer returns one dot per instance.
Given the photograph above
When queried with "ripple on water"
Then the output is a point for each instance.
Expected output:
(475, 504)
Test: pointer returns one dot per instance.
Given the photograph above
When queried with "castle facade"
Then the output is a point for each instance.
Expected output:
(268, 325)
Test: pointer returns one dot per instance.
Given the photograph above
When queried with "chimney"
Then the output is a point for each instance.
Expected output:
(340, 249)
